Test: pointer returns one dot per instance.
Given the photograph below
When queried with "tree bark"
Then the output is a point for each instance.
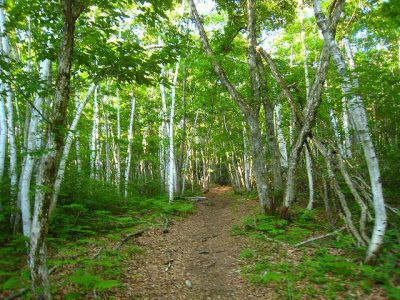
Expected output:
(246, 163)
(94, 136)
(281, 138)
(129, 149)
(31, 147)
(12, 146)
(171, 154)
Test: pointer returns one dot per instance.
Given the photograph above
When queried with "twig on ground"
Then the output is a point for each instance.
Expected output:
(166, 224)
(97, 253)
(195, 198)
(169, 264)
(19, 294)
(320, 237)
(125, 239)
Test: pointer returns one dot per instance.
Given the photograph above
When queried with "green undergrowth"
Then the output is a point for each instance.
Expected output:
(329, 268)
(86, 256)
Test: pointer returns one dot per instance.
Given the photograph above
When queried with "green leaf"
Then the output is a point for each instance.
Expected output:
(106, 284)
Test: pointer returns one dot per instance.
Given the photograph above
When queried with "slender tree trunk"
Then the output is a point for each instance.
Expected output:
(346, 128)
(3, 123)
(334, 124)
(30, 158)
(3, 134)
(107, 140)
(309, 165)
(118, 148)
(246, 164)
(182, 124)
(205, 177)
(309, 168)
(172, 168)
(77, 140)
(68, 143)
(164, 131)
(129, 149)
(281, 138)
(189, 149)
(12, 147)
(94, 136)
(274, 152)
(326, 202)
(359, 116)
(300, 7)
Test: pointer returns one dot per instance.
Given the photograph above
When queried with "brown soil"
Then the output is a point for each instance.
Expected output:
(203, 256)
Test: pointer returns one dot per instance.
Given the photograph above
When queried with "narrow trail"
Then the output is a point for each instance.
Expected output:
(203, 251)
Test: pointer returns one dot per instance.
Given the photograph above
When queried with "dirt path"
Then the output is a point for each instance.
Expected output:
(205, 256)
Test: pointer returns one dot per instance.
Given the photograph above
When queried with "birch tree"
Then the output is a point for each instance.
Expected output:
(129, 148)
(32, 146)
(358, 113)
(12, 146)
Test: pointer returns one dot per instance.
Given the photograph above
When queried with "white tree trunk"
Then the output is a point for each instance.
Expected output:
(164, 132)
(359, 116)
(334, 124)
(346, 128)
(309, 165)
(94, 137)
(118, 150)
(129, 150)
(107, 141)
(77, 139)
(68, 142)
(300, 7)
(30, 157)
(171, 163)
(246, 164)
(3, 134)
(281, 138)
(10, 114)
(309, 168)
(188, 150)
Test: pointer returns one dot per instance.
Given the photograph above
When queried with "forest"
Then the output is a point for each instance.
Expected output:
(199, 149)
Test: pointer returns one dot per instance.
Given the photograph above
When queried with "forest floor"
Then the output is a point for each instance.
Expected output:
(199, 257)
(217, 248)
